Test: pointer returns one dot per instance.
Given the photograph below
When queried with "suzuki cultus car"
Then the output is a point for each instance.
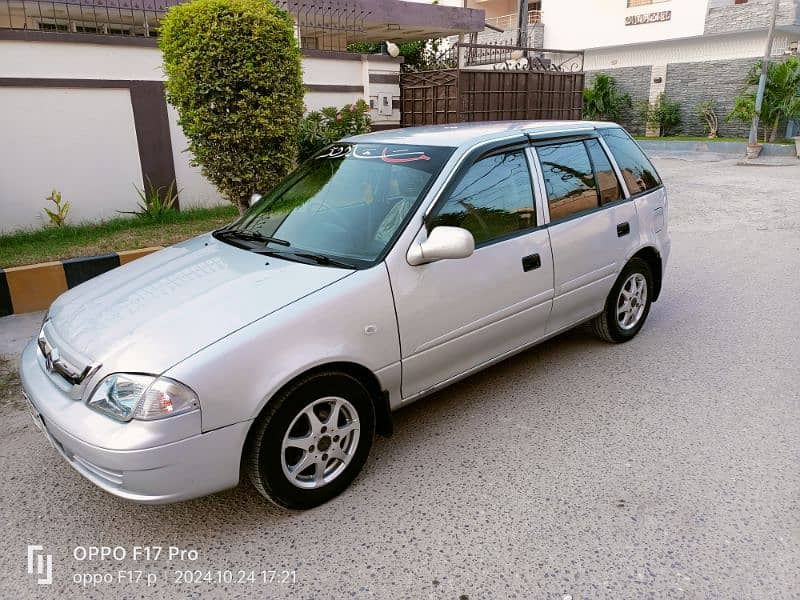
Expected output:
(386, 267)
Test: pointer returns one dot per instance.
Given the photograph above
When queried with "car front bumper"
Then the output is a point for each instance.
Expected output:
(139, 461)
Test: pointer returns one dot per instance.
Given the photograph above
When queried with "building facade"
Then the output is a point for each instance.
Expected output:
(690, 50)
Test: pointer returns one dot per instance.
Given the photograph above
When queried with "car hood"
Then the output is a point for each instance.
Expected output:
(148, 315)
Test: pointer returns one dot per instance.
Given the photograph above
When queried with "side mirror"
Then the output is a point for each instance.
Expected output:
(253, 199)
(443, 242)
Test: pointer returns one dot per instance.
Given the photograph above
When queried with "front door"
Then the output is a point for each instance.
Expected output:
(454, 315)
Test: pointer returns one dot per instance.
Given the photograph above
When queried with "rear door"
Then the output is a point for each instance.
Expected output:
(644, 188)
(590, 223)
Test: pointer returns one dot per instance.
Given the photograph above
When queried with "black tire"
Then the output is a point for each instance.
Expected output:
(264, 451)
(605, 325)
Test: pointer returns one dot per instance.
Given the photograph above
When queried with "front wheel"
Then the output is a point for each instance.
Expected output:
(627, 305)
(311, 441)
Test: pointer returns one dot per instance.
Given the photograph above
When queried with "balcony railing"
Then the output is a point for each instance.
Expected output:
(322, 24)
(511, 22)
(136, 18)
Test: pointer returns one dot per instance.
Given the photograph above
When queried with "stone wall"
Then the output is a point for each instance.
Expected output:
(751, 15)
(722, 80)
(536, 35)
(634, 81)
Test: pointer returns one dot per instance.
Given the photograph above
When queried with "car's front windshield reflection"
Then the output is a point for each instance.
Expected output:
(348, 202)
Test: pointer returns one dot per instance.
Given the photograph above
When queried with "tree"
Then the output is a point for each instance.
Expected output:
(781, 96)
(603, 101)
(233, 73)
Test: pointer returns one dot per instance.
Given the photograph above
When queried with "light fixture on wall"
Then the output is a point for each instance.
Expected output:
(393, 49)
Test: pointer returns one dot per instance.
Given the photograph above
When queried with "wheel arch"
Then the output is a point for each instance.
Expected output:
(653, 258)
(379, 396)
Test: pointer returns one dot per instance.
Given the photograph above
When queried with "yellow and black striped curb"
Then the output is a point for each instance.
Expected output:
(34, 287)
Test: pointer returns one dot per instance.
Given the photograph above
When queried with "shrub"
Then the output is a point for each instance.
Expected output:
(707, 112)
(154, 202)
(603, 101)
(57, 217)
(662, 114)
(233, 73)
(419, 55)
(323, 127)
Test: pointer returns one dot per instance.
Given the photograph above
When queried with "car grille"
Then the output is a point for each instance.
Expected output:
(63, 366)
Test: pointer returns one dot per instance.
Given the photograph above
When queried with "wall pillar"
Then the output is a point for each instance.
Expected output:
(658, 83)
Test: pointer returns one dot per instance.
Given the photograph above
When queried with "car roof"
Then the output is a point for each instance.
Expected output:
(457, 134)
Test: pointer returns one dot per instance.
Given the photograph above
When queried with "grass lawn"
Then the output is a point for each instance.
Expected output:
(54, 243)
(700, 138)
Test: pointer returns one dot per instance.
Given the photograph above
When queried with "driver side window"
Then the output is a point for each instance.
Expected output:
(494, 198)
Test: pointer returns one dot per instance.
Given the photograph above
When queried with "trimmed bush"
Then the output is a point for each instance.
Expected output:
(233, 73)
(323, 127)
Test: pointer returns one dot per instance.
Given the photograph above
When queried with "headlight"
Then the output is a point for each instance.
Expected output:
(126, 396)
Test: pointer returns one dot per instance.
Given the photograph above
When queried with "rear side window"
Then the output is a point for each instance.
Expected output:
(494, 198)
(637, 171)
(568, 179)
(607, 183)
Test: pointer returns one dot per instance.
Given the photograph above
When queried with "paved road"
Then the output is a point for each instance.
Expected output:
(667, 467)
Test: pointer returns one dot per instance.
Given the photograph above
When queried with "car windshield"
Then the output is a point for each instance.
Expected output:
(344, 206)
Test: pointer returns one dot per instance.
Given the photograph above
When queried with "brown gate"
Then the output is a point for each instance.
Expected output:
(521, 84)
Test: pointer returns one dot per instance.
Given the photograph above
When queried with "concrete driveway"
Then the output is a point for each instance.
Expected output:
(665, 467)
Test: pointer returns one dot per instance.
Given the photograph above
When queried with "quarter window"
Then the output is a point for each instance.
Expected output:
(607, 182)
(494, 198)
(637, 171)
(568, 179)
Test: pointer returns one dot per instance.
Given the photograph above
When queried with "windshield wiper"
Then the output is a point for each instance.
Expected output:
(320, 259)
(250, 236)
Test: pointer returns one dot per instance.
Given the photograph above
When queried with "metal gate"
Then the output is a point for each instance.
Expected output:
(494, 83)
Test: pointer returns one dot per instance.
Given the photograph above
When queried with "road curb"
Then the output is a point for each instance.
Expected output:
(34, 287)
(737, 149)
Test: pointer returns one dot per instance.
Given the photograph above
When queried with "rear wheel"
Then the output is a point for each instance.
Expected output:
(627, 305)
(311, 441)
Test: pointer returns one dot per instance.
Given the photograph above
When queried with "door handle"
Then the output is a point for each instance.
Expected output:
(531, 262)
(623, 229)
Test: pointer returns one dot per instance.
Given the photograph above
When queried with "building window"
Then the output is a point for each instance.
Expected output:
(53, 27)
(633, 3)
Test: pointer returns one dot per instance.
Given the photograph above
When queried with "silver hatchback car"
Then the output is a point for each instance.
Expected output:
(388, 266)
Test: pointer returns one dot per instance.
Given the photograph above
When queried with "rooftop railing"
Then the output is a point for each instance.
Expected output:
(511, 21)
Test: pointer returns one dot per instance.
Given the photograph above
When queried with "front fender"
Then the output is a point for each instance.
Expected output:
(352, 320)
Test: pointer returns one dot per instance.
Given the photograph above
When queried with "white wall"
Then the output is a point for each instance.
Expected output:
(722, 47)
(580, 24)
(79, 141)
(79, 61)
(104, 174)
(83, 142)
